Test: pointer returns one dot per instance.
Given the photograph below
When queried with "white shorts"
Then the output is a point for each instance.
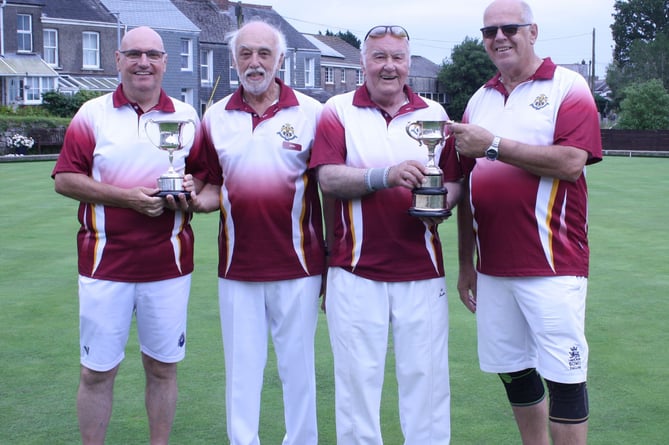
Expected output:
(105, 315)
(533, 322)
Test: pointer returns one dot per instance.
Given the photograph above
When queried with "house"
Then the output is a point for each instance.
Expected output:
(69, 45)
(213, 54)
(23, 73)
(180, 38)
(302, 60)
(340, 64)
(423, 79)
(79, 40)
(341, 70)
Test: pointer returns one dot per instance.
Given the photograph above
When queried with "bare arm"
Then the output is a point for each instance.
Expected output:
(348, 182)
(203, 197)
(454, 194)
(555, 161)
(466, 248)
(85, 189)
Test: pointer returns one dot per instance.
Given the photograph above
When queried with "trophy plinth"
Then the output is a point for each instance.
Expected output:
(170, 138)
(429, 199)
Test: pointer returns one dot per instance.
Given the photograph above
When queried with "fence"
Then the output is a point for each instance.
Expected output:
(653, 143)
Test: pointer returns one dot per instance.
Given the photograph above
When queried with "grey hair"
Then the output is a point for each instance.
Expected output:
(526, 15)
(363, 51)
(232, 36)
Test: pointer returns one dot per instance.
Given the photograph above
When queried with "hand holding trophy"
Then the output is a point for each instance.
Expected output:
(429, 199)
(168, 135)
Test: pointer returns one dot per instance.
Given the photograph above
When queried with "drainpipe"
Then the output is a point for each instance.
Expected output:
(2, 28)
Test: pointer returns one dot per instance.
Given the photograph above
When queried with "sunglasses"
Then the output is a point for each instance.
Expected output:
(489, 32)
(382, 30)
(134, 54)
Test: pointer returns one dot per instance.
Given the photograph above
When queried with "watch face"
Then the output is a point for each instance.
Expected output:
(491, 154)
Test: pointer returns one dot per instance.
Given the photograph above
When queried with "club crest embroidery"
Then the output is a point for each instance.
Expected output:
(574, 358)
(540, 102)
(287, 132)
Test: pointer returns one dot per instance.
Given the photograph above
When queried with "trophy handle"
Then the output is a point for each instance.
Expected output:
(415, 131)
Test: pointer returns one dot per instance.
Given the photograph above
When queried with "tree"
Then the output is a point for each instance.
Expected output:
(637, 20)
(645, 107)
(641, 35)
(347, 36)
(467, 71)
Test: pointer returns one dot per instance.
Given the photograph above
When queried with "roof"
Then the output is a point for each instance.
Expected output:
(326, 51)
(294, 39)
(84, 10)
(157, 14)
(29, 2)
(337, 50)
(422, 67)
(28, 65)
(91, 83)
(206, 15)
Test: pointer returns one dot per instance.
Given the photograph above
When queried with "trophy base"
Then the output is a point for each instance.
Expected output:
(434, 213)
(175, 193)
(429, 202)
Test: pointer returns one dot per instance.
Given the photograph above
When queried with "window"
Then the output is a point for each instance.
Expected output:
(234, 77)
(29, 89)
(48, 84)
(24, 33)
(186, 55)
(284, 70)
(31, 86)
(361, 78)
(51, 47)
(187, 95)
(343, 75)
(309, 72)
(91, 50)
(329, 74)
(206, 67)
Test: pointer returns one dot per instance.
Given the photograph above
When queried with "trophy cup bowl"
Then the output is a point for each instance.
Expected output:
(168, 135)
(429, 199)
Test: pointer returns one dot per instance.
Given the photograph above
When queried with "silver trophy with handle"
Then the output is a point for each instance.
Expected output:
(168, 135)
(429, 199)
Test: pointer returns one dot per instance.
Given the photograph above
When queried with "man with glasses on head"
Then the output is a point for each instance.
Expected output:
(135, 249)
(385, 266)
(527, 136)
(255, 147)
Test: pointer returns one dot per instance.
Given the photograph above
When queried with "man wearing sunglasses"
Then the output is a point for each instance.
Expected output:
(385, 266)
(527, 136)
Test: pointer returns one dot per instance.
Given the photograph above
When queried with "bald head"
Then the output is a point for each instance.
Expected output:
(143, 36)
(515, 7)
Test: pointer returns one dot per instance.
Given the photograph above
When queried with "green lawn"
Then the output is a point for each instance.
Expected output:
(627, 328)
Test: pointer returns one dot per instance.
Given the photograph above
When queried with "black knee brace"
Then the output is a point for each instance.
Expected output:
(568, 402)
(523, 388)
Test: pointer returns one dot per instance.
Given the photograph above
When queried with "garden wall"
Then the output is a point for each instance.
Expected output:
(636, 142)
(614, 142)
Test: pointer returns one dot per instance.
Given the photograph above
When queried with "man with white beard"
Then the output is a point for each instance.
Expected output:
(251, 161)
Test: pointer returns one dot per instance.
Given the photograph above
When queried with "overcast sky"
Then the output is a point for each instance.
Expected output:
(435, 26)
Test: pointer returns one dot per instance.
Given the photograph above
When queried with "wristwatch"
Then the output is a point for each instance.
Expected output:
(492, 152)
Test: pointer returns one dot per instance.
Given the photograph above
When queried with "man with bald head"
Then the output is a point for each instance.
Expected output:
(255, 145)
(526, 138)
(135, 249)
